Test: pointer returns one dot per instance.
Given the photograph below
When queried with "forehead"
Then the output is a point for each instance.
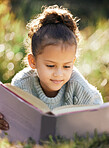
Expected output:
(61, 52)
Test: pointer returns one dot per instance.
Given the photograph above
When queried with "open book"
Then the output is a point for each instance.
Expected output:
(28, 117)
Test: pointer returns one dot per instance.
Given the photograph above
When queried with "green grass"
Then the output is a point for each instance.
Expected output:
(97, 141)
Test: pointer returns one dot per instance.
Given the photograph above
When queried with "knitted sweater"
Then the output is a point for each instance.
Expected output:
(76, 91)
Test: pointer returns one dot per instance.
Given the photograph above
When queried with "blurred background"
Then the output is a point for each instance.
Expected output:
(93, 48)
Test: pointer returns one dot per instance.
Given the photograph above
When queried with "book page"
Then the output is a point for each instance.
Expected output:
(28, 98)
(74, 108)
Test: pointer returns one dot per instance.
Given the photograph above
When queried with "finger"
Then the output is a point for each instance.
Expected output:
(4, 125)
(1, 116)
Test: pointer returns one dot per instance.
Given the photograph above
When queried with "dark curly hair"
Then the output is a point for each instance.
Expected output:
(54, 25)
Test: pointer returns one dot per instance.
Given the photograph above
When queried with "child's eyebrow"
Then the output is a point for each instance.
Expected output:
(49, 61)
(55, 62)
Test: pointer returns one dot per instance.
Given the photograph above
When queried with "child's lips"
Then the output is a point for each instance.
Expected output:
(57, 81)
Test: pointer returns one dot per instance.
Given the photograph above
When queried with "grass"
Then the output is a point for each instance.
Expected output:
(97, 141)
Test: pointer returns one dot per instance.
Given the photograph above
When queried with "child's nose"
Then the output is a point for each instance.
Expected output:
(58, 72)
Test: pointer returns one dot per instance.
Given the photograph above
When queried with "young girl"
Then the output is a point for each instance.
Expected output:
(52, 76)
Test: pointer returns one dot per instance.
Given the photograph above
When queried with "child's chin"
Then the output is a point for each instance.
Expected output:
(56, 89)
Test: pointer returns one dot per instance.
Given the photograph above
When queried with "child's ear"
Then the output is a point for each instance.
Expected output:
(31, 61)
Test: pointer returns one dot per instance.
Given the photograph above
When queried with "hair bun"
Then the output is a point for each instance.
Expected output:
(53, 18)
(54, 15)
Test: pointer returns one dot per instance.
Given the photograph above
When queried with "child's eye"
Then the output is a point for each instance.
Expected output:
(67, 66)
(50, 65)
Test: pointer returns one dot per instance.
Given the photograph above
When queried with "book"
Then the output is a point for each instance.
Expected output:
(28, 117)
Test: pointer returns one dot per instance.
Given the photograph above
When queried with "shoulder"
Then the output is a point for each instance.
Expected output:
(81, 89)
(22, 77)
(78, 79)
(23, 74)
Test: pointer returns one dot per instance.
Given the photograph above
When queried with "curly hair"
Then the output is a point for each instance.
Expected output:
(53, 25)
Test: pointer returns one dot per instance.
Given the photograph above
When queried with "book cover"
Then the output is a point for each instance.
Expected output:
(28, 117)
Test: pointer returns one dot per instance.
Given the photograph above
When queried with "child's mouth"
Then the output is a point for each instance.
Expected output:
(57, 81)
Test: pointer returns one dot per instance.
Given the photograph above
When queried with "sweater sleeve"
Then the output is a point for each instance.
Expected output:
(17, 81)
(83, 92)
(23, 80)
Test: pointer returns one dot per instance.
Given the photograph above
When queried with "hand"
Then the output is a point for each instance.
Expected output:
(3, 123)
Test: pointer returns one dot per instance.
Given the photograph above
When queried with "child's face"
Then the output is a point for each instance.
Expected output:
(54, 66)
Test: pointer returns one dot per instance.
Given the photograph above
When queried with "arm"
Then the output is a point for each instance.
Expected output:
(87, 95)
(83, 92)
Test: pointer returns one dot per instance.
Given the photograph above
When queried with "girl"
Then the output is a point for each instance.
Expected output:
(52, 76)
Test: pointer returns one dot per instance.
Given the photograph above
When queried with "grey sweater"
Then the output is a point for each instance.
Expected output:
(76, 91)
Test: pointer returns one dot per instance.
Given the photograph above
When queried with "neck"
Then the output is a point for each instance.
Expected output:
(50, 94)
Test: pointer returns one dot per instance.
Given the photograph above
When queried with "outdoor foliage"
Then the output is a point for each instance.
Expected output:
(12, 32)
(97, 141)
(93, 60)
(89, 11)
